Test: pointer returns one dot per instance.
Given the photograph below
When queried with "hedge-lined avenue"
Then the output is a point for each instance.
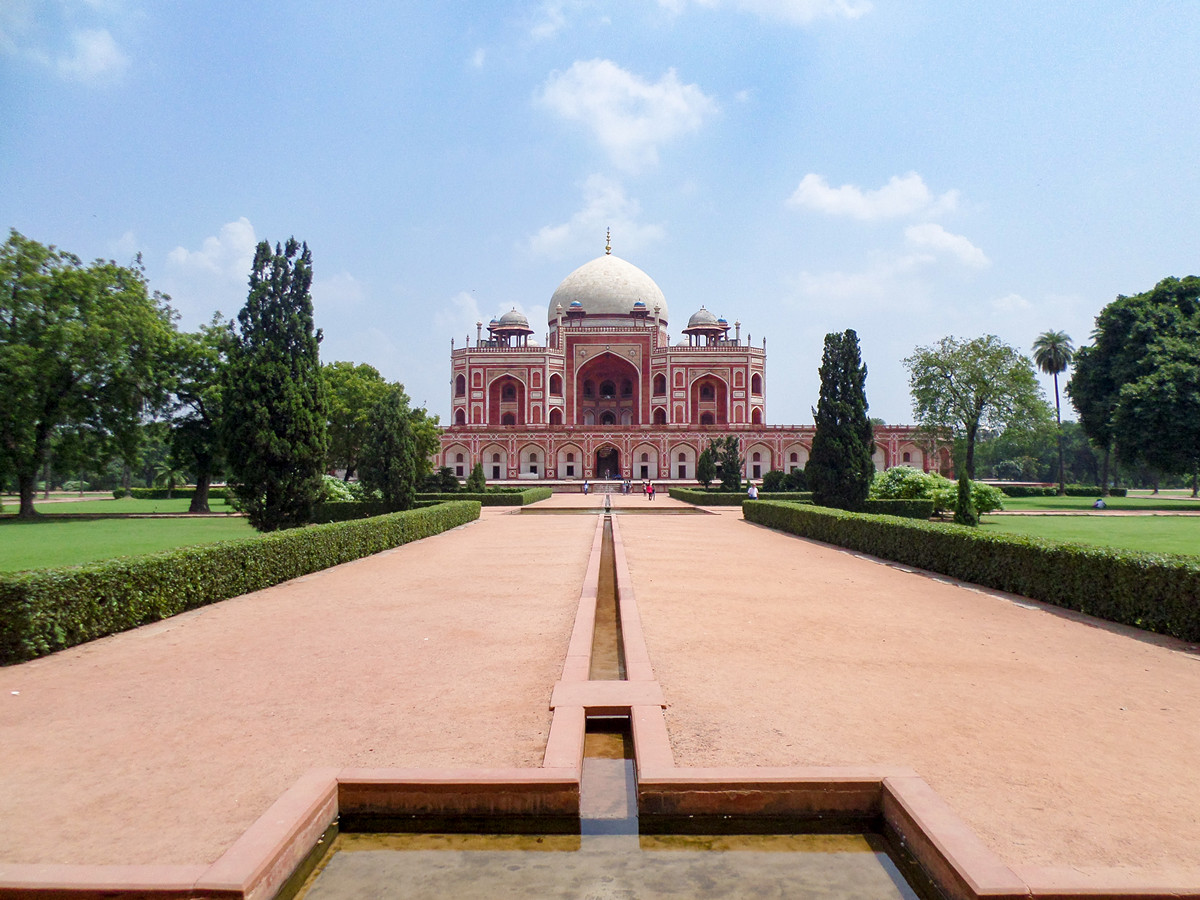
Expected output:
(1156, 592)
(52, 609)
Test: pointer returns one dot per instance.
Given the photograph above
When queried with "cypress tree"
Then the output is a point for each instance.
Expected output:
(274, 393)
(840, 469)
(389, 462)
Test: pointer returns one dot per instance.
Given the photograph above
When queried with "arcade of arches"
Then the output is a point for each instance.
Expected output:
(610, 396)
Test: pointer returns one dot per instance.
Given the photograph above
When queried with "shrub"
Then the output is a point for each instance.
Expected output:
(512, 497)
(334, 490)
(49, 610)
(778, 482)
(476, 483)
(964, 508)
(905, 509)
(1156, 592)
(907, 483)
(729, 498)
(1026, 490)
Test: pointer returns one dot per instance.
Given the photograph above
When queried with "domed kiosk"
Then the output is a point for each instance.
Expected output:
(609, 396)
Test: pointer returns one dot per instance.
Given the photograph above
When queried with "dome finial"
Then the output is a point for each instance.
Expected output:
(608, 242)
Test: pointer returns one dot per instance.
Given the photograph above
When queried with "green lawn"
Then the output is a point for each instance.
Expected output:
(1142, 502)
(1156, 534)
(125, 505)
(44, 544)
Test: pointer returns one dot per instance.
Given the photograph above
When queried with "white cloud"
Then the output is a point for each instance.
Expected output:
(95, 57)
(605, 205)
(551, 20)
(903, 195)
(795, 12)
(336, 295)
(215, 276)
(630, 117)
(1011, 303)
(935, 237)
(126, 247)
(478, 58)
(878, 282)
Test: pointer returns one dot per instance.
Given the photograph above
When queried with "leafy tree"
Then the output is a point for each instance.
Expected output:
(726, 454)
(706, 468)
(962, 386)
(1138, 385)
(840, 468)
(353, 389)
(274, 396)
(442, 481)
(389, 461)
(477, 482)
(195, 413)
(79, 346)
(1052, 352)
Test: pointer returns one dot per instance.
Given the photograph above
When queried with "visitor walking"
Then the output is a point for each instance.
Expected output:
(753, 491)
(585, 487)
(650, 490)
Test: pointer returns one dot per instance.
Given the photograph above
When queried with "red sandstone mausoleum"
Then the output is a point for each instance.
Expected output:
(610, 397)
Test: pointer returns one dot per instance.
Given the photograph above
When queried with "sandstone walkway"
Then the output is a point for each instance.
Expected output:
(1059, 741)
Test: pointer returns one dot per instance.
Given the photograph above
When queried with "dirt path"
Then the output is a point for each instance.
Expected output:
(1059, 742)
(163, 744)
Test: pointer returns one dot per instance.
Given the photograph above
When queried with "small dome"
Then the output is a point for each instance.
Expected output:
(609, 286)
(514, 318)
(723, 321)
(702, 318)
(576, 304)
(639, 304)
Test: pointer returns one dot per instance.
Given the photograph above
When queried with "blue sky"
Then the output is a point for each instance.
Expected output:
(907, 170)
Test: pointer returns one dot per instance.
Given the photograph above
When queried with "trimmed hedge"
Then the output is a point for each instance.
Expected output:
(496, 498)
(905, 509)
(1073, 490)
(179, 493)
(732, 498)
(52, 609)
(351, 510)
(1156, 592)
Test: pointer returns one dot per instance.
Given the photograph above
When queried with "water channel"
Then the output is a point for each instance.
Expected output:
(607, 856)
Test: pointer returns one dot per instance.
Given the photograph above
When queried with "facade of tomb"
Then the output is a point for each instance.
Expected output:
(610, 397)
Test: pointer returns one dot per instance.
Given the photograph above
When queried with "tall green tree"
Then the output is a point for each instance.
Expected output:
(1139, 382)
(706, 467)
(840, 469)
(275, 416)
(1052, 353)
(353, 389)
(962, 386)
(80, 346)
(195, 414)
(725, 454)
(390, 461)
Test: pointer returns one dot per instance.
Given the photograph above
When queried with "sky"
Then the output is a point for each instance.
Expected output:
(908, 170)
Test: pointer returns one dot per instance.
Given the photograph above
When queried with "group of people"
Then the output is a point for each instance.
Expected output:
(627, 488)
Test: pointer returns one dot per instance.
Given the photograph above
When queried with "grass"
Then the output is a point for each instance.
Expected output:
(1142, 502)
(125, 505)
(1153, 534)
(46, 544)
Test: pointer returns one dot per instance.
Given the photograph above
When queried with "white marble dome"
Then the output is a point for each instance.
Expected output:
(608, 286)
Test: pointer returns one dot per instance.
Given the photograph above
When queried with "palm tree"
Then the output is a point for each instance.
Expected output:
(1053, 351)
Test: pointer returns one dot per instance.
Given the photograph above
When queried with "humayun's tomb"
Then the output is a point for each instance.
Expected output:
(610, 397)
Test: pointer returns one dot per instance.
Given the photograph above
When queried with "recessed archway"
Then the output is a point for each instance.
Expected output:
(608, 462)
(608, 383)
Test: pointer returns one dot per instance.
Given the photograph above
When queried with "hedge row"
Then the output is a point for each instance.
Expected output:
(1072, 490)
(905, 509)
(350, 510)
(179, 493)
(732, 498)
(51, 609)
(496, 498)
(1157, 592)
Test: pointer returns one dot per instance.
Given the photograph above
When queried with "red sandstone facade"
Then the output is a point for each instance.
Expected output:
(611, 397)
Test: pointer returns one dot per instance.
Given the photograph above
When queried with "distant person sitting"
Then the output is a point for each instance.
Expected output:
(1099, 504)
